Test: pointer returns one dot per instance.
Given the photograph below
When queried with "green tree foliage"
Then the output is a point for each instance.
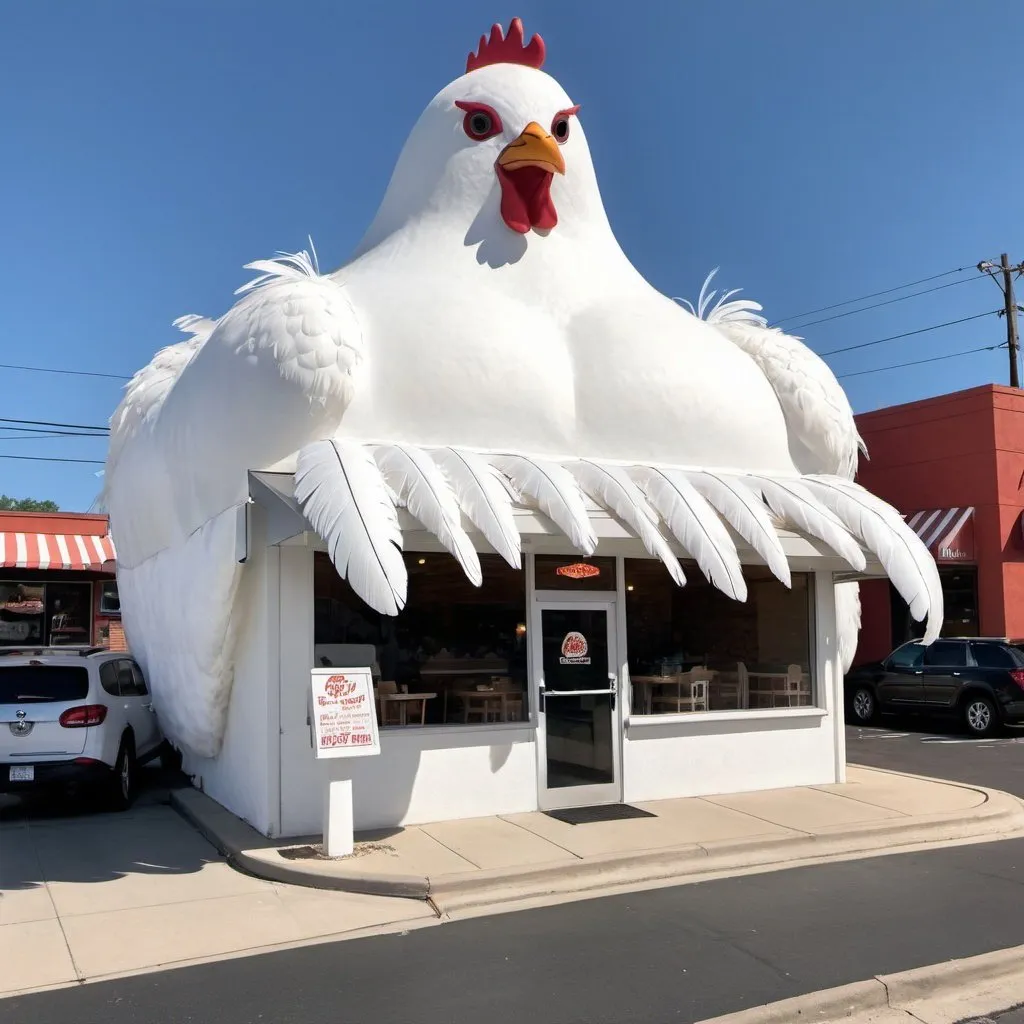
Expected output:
(8, 504)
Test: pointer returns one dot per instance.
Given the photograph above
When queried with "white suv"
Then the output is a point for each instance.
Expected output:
(74, 716)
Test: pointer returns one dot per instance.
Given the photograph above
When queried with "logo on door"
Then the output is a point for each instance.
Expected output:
(574, 650)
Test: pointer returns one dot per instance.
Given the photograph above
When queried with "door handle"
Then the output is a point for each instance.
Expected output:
(956, 673)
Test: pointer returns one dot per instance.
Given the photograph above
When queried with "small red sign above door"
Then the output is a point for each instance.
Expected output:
(578, 571)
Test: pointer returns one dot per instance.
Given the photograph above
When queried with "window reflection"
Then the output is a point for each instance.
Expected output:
(692, 649)
(22, 610)
(455, 654)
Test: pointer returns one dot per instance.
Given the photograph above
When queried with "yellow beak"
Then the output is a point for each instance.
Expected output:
(534, 148)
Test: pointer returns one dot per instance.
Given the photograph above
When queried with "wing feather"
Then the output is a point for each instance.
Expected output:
(792, 502)
(885, 533)
(556, 492)
(343, 495)
(696, 526)
(415, 478)
(745, 511)
(612, 487)
(483, 496)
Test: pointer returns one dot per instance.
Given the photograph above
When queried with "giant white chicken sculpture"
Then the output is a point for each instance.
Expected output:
(488, 342)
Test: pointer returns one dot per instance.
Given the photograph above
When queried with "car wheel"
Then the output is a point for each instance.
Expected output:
(980, 715)
(863, 705)
(122, 786)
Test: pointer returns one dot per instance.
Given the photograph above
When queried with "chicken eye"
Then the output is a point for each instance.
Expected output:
(560, 129)
(480, 124)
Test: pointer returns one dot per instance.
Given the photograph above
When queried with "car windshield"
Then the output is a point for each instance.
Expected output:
(25, 684)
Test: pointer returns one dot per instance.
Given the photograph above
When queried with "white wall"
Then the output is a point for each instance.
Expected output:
(429, 774)
(244, 776)
(700, 758)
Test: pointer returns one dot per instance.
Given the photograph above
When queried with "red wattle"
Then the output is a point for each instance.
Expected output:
(526, 199)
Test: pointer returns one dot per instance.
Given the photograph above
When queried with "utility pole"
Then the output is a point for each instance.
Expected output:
(1010, 307)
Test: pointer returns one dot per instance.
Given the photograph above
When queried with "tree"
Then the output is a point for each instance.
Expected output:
(8, 504)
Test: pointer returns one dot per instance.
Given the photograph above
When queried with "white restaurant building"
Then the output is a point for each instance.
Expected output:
(674, 692)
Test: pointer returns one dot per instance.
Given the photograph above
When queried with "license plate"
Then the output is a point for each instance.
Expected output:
(23, 773)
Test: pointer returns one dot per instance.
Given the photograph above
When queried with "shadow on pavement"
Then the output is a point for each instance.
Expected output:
(74, 838)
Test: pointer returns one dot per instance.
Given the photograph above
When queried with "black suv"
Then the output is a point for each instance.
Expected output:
(979, 679)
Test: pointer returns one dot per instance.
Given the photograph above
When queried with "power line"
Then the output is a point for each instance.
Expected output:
(877, 305)
(26, 432)
(907, 334)
(71, 373)
(65, 426)
(41, 436)
(919, 362)
(873, 295)
(42, 458)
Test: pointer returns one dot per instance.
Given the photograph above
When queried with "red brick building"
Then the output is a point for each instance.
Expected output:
(954, 466)
(57, 583)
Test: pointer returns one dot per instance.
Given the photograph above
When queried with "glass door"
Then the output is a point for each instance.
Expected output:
(578, 734)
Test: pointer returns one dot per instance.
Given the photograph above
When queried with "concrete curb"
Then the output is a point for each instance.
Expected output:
(999, 816)
(950, 991)
(251, 852)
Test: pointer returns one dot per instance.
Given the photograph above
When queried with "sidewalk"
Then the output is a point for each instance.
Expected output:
(96, 896)
(472, 863)
(102, 895)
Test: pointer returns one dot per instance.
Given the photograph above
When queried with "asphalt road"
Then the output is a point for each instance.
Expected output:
(678, 954)
(940, 751)
(682, 953)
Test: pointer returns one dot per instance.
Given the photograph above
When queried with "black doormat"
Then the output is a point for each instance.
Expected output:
(602, 812)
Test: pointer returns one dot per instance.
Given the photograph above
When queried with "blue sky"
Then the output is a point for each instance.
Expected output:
(815, 151)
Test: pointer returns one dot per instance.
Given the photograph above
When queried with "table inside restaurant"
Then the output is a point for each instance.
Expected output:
(403, 700)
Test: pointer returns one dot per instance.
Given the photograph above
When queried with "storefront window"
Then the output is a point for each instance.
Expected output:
(960, 601)
(22, 614)
(69, 613)
(692, 649)
(110, 602)
(456, 654)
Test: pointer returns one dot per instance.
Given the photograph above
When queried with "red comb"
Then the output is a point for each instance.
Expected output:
(508, 49)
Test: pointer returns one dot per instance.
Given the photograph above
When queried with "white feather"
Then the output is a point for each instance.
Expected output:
(342, 494)
(916, 547)
(888, 536)
(196, 325)
(556, 493)
(792, 502)
(612, 487)
(484, 497)
(421, 487)
(696, 526)
(745, 511)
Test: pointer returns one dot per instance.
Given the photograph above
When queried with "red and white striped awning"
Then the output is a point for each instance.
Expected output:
(55, 551)
(948, 533)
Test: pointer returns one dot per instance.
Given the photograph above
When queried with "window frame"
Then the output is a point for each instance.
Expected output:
(103, 608)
